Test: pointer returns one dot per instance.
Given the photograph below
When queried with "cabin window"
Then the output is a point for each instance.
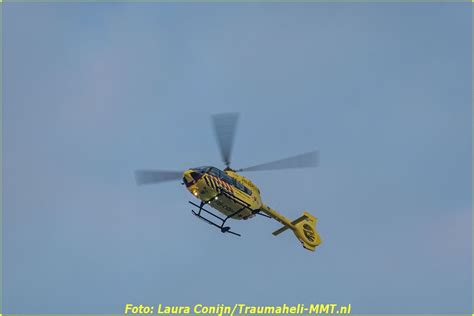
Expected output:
(239, 186)
(242, 188)
(228, 179)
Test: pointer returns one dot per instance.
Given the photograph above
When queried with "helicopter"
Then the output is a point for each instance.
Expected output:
(233, 195)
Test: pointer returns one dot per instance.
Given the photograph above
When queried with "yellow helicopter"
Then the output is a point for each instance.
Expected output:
(232, 194)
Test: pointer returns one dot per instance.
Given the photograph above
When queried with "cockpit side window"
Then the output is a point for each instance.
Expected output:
(196, 176)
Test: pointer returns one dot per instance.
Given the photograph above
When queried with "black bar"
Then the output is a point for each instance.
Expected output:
(233, 233)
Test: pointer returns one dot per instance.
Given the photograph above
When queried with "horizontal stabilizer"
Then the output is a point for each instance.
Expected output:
(279, 231)
(285, 227)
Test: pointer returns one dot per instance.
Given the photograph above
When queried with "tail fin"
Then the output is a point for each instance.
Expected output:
(304, 228)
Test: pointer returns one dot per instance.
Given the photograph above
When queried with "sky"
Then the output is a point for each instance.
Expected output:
(92, 92)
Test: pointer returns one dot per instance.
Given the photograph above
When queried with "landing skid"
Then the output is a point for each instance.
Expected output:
(224, 229)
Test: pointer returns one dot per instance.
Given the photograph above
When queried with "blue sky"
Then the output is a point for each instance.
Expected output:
(94, 91)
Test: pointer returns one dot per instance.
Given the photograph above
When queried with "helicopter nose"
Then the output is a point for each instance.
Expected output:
(187, 176)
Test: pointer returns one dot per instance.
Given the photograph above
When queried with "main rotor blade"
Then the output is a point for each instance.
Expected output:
(306, 160)
(156, 176)
(224, 129)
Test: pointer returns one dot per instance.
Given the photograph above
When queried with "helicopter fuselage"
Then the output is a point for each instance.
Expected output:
(225, 191)
(233, 195)
(237, 197)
